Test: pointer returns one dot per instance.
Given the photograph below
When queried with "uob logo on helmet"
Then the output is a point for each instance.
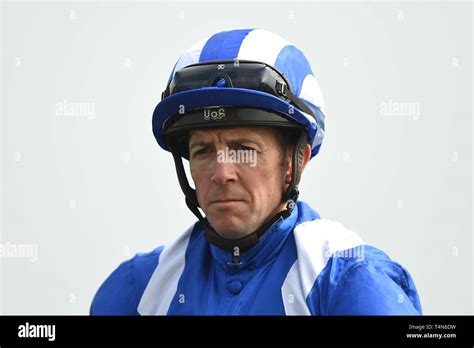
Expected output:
(214, 114)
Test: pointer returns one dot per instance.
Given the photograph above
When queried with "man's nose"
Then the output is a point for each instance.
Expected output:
(224, 172)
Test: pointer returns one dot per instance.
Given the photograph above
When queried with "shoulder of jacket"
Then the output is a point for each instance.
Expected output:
(326, 235)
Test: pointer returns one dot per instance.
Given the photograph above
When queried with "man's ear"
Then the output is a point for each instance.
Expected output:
(306, 157)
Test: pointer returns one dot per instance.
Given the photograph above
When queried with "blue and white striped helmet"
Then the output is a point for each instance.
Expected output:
(252, 45)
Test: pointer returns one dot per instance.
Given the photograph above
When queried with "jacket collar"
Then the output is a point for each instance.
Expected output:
(269, 245)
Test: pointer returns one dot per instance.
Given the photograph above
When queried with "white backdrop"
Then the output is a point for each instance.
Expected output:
(85, 186)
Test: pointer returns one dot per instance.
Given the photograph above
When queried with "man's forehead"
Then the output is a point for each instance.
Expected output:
(253, 133)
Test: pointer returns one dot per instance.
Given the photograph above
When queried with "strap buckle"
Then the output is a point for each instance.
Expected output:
(281, 87)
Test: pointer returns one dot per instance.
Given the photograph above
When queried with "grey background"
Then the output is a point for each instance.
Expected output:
(92, 190)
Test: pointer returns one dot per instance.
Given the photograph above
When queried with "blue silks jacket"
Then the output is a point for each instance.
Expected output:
(302, 265)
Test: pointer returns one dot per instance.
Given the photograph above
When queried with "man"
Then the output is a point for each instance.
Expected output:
(245, 109)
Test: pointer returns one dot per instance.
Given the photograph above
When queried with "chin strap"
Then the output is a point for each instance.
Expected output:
(245, 243)
(240, 245)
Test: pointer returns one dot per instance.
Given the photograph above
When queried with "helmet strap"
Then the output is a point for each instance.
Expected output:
(292, 191)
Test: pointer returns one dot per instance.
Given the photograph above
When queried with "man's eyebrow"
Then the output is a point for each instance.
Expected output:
(231, 141)
(243, 140)
(198, 143)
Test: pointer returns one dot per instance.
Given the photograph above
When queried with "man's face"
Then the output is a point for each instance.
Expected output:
(238, 197)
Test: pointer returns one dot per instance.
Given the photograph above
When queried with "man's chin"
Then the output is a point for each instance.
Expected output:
(230, 230)
(231, 234)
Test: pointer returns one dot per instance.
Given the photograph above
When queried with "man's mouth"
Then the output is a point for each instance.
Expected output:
(226, 201)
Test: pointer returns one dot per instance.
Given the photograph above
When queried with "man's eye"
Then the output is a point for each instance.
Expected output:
(201, 151)
(243, 147)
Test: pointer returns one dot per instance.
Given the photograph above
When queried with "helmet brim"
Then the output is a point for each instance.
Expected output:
(182, 102)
